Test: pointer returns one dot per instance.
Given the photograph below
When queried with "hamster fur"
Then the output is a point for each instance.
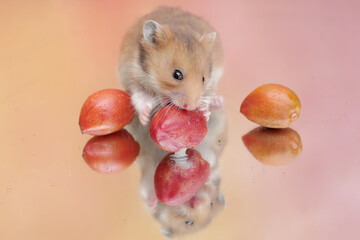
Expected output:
(159, 46)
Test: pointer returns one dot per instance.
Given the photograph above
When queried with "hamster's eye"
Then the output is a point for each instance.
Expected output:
(189, 222)
(178, 75)
(203, 80)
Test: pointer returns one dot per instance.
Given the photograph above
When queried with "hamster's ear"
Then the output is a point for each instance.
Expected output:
(152, 32)
(209, 39)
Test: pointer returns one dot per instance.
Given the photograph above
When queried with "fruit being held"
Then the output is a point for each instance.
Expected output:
(271, 105)
(111, 153)
(106, 111)
(176, 182)
(173, 128)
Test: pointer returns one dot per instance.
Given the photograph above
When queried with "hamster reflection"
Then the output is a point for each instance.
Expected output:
(273, 146)
(199, 211)
(193, 215)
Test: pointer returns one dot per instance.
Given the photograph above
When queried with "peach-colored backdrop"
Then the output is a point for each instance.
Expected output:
(53, 54)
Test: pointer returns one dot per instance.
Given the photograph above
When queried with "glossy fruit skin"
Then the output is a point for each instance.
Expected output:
(273, 146)
(176, 183)
(271, 105)
(111, 153)
(173, 128)
(106, 111)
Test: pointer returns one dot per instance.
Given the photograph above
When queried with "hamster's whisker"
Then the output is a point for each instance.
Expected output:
(165, 113)
(157, 108)
(177, 109)
(161, 104)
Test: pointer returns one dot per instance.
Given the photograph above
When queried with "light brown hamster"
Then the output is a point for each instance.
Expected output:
(171, 57)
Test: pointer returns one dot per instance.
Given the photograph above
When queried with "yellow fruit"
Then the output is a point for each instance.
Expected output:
(271, 105)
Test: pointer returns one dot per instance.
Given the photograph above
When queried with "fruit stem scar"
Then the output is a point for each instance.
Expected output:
(293, 116)
(179, 155)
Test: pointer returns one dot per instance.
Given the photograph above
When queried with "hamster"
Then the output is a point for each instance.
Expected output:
(171, 57)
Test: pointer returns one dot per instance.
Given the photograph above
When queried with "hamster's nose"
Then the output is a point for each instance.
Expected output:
(194, 202)
(189, 106)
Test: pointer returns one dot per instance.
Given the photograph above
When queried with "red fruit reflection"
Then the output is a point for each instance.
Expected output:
(178, 181)
(273, 146)
(111, 153)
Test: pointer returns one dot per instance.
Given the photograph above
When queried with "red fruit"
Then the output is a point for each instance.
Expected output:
(111, 153)
(106, 111)
(176, 182)
(173, 128)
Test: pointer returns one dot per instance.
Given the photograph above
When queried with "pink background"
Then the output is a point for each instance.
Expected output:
(55, 53)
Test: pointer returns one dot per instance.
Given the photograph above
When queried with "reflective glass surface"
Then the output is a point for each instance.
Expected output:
(299, 183)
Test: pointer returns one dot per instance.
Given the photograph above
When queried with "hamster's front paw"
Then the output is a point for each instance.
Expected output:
(143, 103)
(204, 109)
(217, 102)
(144, 115)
